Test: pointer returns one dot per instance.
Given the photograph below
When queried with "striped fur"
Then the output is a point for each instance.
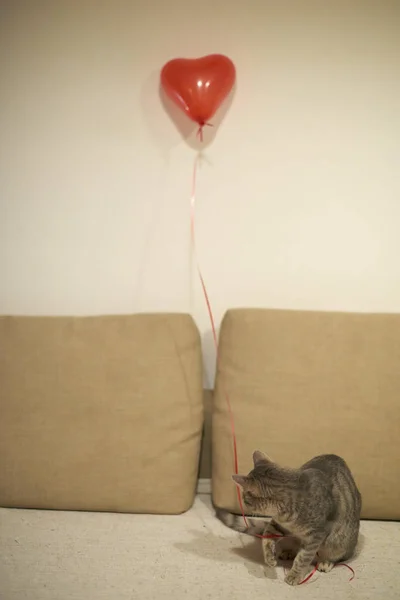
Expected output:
(319, 505)
(236, 522)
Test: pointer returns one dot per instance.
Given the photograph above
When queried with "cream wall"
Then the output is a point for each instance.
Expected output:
(298, 198)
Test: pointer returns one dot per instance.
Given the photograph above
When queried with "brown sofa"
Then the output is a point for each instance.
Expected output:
(106, 413)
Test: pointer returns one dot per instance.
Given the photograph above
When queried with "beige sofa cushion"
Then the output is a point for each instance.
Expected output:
(100, 413)
(307, 383)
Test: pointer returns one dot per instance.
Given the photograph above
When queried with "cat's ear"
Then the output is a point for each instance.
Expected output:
(260, 458)
(240, 480)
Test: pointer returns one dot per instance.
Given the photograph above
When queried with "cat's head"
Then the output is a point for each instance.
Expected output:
(263, 486)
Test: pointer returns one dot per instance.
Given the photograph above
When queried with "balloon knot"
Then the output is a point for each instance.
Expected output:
(200, 129)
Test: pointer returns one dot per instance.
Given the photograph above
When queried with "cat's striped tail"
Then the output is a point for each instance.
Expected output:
(236, 522)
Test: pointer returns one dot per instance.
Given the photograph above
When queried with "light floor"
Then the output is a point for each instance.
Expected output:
(49, 555)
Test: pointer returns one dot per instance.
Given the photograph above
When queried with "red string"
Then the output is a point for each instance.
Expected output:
(215, 338)
(212, 321)
(337, 565)
(347, 567)
(200, 130)
(308, 576)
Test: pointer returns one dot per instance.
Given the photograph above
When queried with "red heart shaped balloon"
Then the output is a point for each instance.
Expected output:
(199, 85)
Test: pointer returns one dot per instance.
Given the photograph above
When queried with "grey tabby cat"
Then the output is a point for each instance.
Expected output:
(318, 504)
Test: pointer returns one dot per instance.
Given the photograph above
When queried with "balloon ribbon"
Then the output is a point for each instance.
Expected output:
(215, 338)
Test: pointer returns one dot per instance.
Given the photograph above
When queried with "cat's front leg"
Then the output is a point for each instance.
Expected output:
(302, 562)
(268, 544)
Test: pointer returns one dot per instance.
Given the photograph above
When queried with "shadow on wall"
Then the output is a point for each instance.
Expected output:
(205, 463)
(209, 361)
(159, 110)
(209, 358)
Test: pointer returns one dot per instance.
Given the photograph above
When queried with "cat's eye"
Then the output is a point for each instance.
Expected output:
(248, 498)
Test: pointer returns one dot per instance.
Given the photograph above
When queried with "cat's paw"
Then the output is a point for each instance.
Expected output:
(270, 560)
(325, 567)
(269, 553)
(293, 578)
